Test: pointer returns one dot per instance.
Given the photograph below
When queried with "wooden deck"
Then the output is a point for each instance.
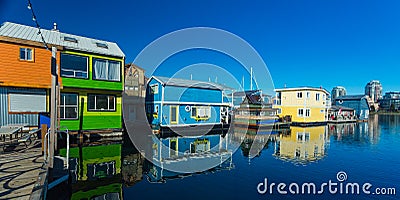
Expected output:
(19, 170)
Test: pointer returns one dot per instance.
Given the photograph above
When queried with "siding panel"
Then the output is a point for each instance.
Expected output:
(5, 118)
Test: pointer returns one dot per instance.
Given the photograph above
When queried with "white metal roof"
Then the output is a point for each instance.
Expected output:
(190, 83)
(19, 31)
(302, 89)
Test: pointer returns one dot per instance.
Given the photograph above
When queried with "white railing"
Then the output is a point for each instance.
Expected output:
(47, 146)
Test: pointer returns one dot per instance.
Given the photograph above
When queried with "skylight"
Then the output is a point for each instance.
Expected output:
(101, 45)
(70, 39)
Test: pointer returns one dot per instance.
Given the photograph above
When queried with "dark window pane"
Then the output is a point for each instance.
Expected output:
(73, 66)
(173, 114)
(102, 103)
(22, 53)
(111, 101)
(71, 113)
(62, 112)
(194, 113)
(91, 102)
(71, 99)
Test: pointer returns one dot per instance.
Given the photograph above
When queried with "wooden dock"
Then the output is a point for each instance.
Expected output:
(19, 170)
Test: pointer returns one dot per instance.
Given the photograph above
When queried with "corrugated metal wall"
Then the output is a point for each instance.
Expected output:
(5, 118)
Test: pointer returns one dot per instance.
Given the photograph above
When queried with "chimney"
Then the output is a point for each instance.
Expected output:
(54, 27)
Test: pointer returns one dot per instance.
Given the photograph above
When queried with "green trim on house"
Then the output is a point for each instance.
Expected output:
(94, 120)
(89, 83)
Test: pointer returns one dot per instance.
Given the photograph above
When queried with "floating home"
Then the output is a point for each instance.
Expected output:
(306, 105)
(25, 76)
(341, 114)
(357, 102)
(254, 113)
(90, 78)
(192, 106)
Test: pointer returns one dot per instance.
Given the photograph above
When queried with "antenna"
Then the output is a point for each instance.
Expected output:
(243, 83)
(251, 78)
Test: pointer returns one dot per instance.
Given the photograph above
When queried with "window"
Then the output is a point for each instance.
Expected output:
(303, 137)
(300, 112)
(154, 89)
(74, 66)
(101, 45)
(317, 97)
(308, 95)
(200, 145)
(106, 70)
(26, 54)
(173, 145)
(201, 112)
(100, 102)
(194, 111)
(174, 115)
(69, 106)
(27, 101)
(300, 95)
(70, 39)
(316, 149)
(307, 112)
(279, 111)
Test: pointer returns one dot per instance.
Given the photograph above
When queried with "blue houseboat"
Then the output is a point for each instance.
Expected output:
(193, 106)
(177, 157)
(357, 102)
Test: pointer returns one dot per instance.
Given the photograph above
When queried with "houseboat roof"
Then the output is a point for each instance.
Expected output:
(334, 108)
(190, 83)
(244, 93)
(302, 89)
(9, 30)
(351, 97)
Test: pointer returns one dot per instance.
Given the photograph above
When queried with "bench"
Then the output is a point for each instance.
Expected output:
(26, 138)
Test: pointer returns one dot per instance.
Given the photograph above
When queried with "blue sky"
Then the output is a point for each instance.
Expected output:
(313, 43)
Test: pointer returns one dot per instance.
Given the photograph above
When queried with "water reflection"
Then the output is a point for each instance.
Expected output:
(356, 133)
(132, 164)
(253, 141)
(96, 171)
(302, 145)
(178, 157)
(104, 171)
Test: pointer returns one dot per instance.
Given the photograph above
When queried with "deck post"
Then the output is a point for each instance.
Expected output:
(53, 106)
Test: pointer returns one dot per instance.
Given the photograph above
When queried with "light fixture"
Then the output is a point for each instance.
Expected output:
(29, 5)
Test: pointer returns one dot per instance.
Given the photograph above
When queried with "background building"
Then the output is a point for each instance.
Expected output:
(357, 102)
(374, 90)
(390, 102)
(337, 92)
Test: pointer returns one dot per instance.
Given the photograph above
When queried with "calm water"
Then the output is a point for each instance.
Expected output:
(366, 152)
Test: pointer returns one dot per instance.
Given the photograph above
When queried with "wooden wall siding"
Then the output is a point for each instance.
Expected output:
(17, 73)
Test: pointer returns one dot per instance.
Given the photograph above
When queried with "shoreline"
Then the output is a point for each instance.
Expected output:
(385, 113)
